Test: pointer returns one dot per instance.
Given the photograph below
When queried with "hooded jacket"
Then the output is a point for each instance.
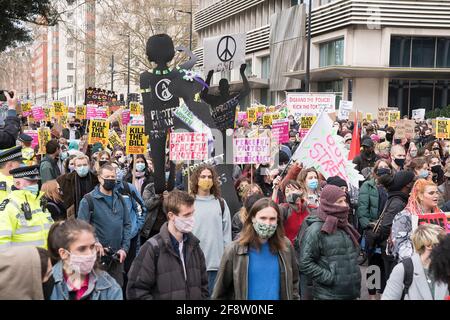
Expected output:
(49, 169)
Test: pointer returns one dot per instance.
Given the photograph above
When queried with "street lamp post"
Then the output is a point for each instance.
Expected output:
(190, 26)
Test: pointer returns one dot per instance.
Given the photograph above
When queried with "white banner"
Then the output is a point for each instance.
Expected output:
(325, 151)
(345, 107)
(309, 104)
(224, 53)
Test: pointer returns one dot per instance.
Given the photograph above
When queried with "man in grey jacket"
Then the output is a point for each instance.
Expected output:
(105, 209)
(49, 169)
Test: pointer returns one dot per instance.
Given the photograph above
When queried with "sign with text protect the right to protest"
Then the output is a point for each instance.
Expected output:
(303, 104)
(251, 150)
(188, 146)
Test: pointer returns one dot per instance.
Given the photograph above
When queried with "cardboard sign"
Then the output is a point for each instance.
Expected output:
(38, 113)
(440, 219)
(310, 104)
(280, 130)
(224, 114)
(267, 119)
(188, 146)
(114, 139)
(80, 112)
(305, 124)
(394, 116)
(251, 150)
(58, 106)
(136, 142)
(224, 53)
(126, 117)
(33, 134)
(383, 116)
(345, 107)
(44, 136)
(275, 116)
(99, 96)
(26, 109)
(418, 114)
(251, 114)
(136, 108)
(442, 131)
(98, 132)
(404, 129)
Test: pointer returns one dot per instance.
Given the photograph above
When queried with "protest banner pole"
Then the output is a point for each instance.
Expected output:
(189, 178)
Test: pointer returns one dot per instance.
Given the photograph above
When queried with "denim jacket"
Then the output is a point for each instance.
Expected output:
(101, 286)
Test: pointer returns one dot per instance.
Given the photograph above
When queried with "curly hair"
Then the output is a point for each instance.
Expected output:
(440, 261)
(215, 190)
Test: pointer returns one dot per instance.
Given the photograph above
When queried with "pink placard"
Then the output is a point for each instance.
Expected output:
(101, 113)
(38, 113)
(91, 112)
(125, 117)
(33, 134)
(242, 115)
(280, 129)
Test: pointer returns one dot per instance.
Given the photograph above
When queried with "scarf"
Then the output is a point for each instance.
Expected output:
(334, 217)
(139, 181)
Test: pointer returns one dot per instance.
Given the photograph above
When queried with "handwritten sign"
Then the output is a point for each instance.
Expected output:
(280, 130)
(383, 116)
(307, 104)
(345, 107)
(251, 150)
(404, 129)
(224, 114)
(440, 219)
(369, 117)
(136, 142)
(188, 146)
(418, 114)
(98, 131)
(305, 124)
(394, 116)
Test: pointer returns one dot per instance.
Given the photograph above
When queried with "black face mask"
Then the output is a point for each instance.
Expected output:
(436, 169)
(109, 184)
(400, 162)
(102, 162)
(389, 137)
(383, 171)
(47, 287)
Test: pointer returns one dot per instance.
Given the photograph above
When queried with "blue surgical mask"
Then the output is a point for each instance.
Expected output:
(423, 174)
(313, 184)
(82, 171)
(64, 155)
(34, 189)
(167, 175)
(140, 167)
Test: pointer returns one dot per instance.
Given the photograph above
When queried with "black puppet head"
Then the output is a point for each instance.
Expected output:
(224, 87)
(160, 49)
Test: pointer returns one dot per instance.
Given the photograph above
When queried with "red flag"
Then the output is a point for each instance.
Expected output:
(355, 146)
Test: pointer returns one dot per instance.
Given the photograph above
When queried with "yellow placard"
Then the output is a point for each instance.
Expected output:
(135, 108)
(267, 119)
(369, 117)
(114, 139)
(80, 112)
(251, 114)
(442, 129)
(98, 132)
(136, 141)
(261, 109)
(307, 122)
(58, 106)
(394, 116)
(49, 114)
(272, 109)
(26, 108)
(44, 136)
(275, 116)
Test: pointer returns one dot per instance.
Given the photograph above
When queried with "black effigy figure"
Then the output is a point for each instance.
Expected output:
(160, 103)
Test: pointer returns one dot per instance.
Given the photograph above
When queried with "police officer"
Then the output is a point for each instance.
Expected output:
(9, 159)
(29, 158)
(24, 220)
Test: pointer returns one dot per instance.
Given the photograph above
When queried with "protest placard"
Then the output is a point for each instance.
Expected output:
(404, 129)
(441, 219)
(280, 130)
(275, 116)
(80, 112)
(34, 135)
(251, 114)
(345, 107)
(49, 113)
(442, 131)
(125, 117)
(44, 136)
(224, 114)
(224, 53)
(251, 150)
(369, 116)
(101, 112)
(185, 115)
(309, 104)
(305, 124)
(99, 96)
(26, 109)
(188, 146)
(38, 113)
(58, 106)
(98, 131)
(136, 142)
(394, 116)
(418, 114)
(383, 116)
(114, 139)
(91, 111)
(241, 116)
(267, 119)
(136, 108)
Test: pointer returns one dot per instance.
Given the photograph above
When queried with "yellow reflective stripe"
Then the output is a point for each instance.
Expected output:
(28, 243)
(5, 233)
(28, 229)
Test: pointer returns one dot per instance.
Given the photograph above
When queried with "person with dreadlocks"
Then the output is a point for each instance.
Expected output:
(423, 199)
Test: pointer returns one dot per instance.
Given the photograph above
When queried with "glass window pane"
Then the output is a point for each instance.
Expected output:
(423, 52)
(400, 51)
(398, 95)
(442, 94)
(265, 67)
(443, 53)
(331, 53)
(421, 94)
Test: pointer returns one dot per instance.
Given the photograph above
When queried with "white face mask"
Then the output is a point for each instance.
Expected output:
(184, 225)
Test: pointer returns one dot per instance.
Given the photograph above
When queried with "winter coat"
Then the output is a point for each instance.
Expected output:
(56, 209)
(367, 211)
(396, 202)
(232, 278)
(157, 272)
(362, 161)
(101, 286)
(330, 260)
(49, 169)
(10, 131)
(137, 212)
(236, 226)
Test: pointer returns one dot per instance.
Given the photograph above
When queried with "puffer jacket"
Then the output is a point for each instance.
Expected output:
(232, 278)
(330, 260)
(367, 211)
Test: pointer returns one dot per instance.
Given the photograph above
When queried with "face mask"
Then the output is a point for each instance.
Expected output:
(423, 174)
(347, 146)
(64, 156)
(292, 197)
(109, 184)
(399, 162)
(413, 153)
(81, 263)
(383, 171)
(389, 137)
(140, 167)
(121, 159)
(82, 171)
(184, 225)
(313, 184)
(436, 169)
(34, 189)
(101, 163)
(205, 184)
(264, 231)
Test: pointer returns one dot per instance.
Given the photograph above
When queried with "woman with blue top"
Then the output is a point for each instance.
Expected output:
(261, 264)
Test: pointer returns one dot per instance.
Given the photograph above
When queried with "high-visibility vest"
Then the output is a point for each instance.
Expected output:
(15, 229)
(6, 182)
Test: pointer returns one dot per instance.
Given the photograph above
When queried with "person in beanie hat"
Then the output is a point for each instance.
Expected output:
(331, 241)
(368, 157)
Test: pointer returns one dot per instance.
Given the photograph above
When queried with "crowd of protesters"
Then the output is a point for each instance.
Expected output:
(87, 220)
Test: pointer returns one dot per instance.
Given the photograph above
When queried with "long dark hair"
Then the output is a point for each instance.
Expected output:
(249, 237)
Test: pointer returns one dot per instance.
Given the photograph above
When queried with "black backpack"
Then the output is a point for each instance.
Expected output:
(408, 277)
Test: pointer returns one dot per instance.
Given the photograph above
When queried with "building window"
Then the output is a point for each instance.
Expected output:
(248, 69)
(70, 66)
(423, 52)
(70, 54)
(334, 86)
(332, 53)
(267, 97)
(70, 79)
(443, 53)
(265, 67)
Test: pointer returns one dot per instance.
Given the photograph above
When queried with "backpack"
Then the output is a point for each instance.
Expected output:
(408, 277)
(222, 205)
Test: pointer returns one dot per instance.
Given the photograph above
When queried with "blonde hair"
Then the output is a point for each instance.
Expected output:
(50, 188)
(426, 235)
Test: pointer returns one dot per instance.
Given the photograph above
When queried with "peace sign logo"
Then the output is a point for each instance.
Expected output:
(226, 48)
